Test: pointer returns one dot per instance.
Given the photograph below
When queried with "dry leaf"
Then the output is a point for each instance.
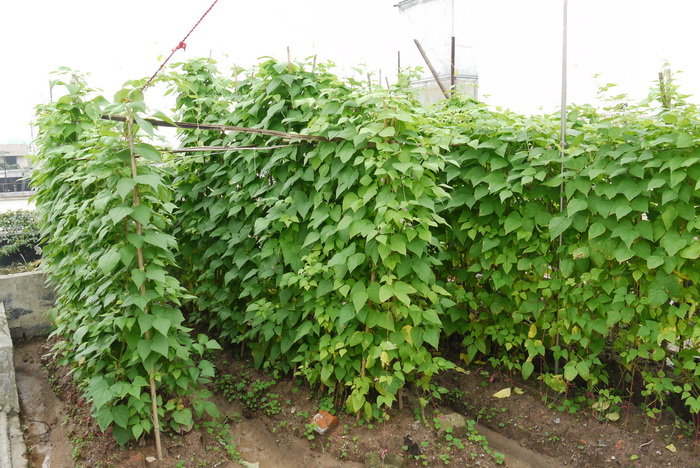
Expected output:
(505, 393)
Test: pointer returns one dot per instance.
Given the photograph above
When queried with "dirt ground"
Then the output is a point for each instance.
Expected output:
(266, 423)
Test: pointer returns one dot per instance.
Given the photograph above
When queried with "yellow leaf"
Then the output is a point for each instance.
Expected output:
(533, 331)
(671, 448)
(505, 393)
(518, 390)
(384, 358)
(406, 331)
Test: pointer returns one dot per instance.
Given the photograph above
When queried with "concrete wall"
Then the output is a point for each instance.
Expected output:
(26, 298)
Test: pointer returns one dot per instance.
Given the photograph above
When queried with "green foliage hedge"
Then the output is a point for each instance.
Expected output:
(18, 229)
(357, 260)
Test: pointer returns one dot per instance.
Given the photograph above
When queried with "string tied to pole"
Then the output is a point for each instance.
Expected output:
(181, 45)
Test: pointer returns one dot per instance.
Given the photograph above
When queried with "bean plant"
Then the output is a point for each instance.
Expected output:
(349, 234)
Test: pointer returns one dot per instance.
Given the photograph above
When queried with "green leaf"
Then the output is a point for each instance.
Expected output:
(575, 205)
(567, 267)
(100, 392)
(432, 337)
(162, 325)
(125, 186)
(119, 213)
(346, 314)
(402, 290)
(346, 152)
(183, 417)
(142, 214)
(137, 430)
(120, 413)
(152, 180)
(143, 347)
(672, 243)
(527, 369)
(359, 299)
(557, 225)
(657, 297)
(692, 252)
(684, 140)
(158, 239)
(156, 273)
(159, 344)
(512, 223)
(595, 230)
(146, 323)
(398, 243)
(386, 292)
(655, 261)
(387, 132)
(109, 260)
(147, 152)
(623, 253)
(355, 260)
(570, 372)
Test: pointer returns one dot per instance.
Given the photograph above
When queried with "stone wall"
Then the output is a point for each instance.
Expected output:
(26, 298)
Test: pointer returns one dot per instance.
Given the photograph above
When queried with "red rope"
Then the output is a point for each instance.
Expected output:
(180, 45)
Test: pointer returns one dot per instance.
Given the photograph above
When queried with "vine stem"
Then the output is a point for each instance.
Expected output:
(139, 253)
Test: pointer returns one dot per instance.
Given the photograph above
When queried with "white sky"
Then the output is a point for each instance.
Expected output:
(517, 43)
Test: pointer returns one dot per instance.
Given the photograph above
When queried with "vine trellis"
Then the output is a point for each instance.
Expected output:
(365, 242)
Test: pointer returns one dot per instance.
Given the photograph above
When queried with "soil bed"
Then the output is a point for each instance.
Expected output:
(266, 420)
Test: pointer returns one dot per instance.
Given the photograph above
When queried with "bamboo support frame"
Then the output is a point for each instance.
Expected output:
(223, 128)
(432, 70)
(562, 139)
(142, 268)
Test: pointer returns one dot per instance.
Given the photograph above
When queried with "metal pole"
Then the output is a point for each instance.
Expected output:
(432, 70)
(452, 66)
(398, 64)
(562, 138)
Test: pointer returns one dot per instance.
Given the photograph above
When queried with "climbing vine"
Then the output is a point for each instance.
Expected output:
(358, 239)
(118, 324)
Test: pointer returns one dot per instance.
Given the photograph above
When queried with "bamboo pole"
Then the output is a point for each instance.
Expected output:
(432, 70)
(225, 128)
(562, 138)
(142, 268)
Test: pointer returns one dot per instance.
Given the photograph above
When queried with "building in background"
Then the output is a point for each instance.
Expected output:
(432, 23)
(15, 168)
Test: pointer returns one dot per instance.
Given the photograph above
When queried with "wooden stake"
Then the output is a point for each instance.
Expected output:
(139, 252)
(289, 60)
(313, 68)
